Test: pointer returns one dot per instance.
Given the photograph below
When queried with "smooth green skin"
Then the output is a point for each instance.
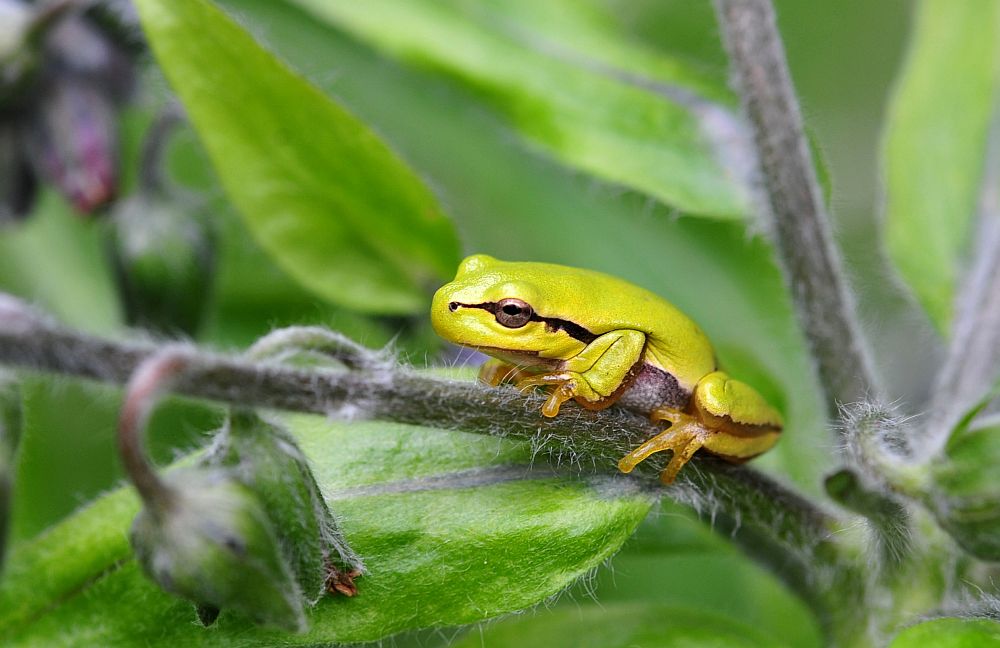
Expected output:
(440, 552)
(332, 204)
(935, 146)
(632, 325)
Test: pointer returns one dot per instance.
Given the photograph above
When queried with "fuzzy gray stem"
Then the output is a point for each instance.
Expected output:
(799, 222)
(786, 532)
(972, 363)
(148, 383)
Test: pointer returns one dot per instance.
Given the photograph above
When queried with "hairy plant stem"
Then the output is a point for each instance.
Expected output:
(798, 219)
(153, 377)
(789, 534)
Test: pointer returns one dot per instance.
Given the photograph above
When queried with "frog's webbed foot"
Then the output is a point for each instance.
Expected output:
(564, 387)
(685, 436)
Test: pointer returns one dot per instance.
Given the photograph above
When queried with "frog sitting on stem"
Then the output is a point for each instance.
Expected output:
(600, 340)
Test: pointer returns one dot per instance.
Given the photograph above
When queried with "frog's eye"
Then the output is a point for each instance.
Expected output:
(512, 313)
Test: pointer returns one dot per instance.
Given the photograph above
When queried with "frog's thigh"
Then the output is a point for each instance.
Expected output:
(721, 396)
(745, 424)
(738, 448)
(606, 362)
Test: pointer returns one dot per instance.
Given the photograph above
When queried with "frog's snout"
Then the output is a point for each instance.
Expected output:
(442, 307)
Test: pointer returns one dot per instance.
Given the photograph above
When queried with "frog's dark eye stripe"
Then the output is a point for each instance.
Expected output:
(514, 313)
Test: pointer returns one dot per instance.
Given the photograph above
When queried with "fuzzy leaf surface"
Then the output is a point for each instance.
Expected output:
(935, 146)
(575, 89)
(322, 194)
(619, 625)
(949, 633)
(452, 528)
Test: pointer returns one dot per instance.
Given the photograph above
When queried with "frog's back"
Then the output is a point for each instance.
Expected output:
(605, 303)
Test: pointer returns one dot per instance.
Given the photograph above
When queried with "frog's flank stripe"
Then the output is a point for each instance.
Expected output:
(553, 324)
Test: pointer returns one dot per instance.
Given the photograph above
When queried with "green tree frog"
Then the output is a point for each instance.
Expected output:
(599, 340)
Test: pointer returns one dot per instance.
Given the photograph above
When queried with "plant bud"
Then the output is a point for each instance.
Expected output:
(81, 51)
(72, 141)
(10, 432)
(119, 20)
(965, 492)
(269, 462)
(214, 545)
(163, 254)
(18, 185)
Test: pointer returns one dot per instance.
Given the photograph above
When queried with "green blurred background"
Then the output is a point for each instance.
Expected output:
(511, 201)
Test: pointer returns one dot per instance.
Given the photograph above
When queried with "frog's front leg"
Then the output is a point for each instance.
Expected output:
(495, 372)
(595, 376)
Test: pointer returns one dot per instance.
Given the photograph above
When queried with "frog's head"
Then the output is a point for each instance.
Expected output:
(492, 305)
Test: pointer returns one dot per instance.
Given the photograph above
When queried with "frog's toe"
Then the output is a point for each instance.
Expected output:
(527, 383)
(556, 398)
(496, 372)
(563, 389)
(683, 440)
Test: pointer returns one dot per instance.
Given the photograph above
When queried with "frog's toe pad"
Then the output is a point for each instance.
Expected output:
(683, 441)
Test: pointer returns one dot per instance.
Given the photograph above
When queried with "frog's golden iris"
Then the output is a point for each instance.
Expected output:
(599, 340)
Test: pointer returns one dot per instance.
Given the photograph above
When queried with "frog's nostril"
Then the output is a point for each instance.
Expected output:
(453, 306)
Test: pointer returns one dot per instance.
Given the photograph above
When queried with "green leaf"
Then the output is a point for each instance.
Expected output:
(618, 625)
(585, 95)
(11, 421)
(964, 423)
(949, 633)
(56, 259)
(711, 270)
(680, 563)
(935, 145)
(451, 527)
(334, 206)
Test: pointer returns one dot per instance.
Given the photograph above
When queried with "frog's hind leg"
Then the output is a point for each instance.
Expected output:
(684, 437)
